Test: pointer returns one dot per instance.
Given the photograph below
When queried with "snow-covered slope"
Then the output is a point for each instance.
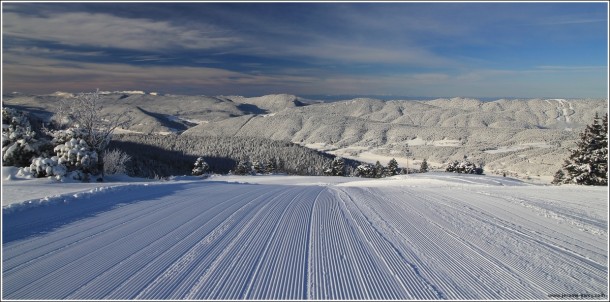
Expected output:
(525, 137)
(271, 103)
(164, 113)
(532, 136)
(424, 236)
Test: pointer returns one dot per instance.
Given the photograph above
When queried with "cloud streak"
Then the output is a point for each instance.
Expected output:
(108, 31)
(434, 49)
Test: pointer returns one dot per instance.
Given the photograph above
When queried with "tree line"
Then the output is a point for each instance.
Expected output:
(175, 154)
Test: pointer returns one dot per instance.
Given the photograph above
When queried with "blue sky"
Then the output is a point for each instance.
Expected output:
(407, 49)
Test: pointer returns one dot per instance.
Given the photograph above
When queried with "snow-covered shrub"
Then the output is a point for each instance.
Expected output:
(19, 144)
(464, 166)
(76, 154)
(201, 167)
(18, 153)
(115, 162)
(42, 167)
(65, 135)
(73, 158)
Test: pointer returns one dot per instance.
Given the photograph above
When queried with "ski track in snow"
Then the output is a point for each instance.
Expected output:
(217, 240)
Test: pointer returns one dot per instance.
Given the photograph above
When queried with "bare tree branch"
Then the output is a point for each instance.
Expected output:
(85, 111)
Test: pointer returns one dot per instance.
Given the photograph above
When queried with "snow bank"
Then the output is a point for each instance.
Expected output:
(27, 190)
(98, 192)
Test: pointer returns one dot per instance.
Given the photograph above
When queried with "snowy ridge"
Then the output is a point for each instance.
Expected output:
(529, 135)
(524, 137)
(434, 236)
(270, 103)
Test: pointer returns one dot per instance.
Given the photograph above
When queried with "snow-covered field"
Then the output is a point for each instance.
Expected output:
(423, 236)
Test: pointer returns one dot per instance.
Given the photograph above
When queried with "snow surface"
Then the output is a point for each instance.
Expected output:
(421, 236)
(16, 190)
(503, 149)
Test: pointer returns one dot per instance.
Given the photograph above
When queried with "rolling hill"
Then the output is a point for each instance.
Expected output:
(527, 138)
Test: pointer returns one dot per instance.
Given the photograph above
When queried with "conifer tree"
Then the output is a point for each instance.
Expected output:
(423, 168)
(392, 168)
(19, 142)
(200, 167)
(270, 167)
(588, 162)
(258, 167)
(336, 167)
(378, 170)
(559, 177)
(365, 170)
(243, 167)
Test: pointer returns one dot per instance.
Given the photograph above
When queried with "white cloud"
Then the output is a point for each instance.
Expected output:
(104, 30)
(44, 51)
(572, 68)
(39, 75)
(356, 53)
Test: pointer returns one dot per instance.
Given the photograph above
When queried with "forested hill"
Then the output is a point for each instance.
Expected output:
(164, 155)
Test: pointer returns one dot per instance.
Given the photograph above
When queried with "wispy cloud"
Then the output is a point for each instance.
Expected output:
(571, 21)
(571, 68)
(307, 48)
(356, 53)
(50, 52)
(43, 74)
(109, 31)
(150, 58)
(39, 74)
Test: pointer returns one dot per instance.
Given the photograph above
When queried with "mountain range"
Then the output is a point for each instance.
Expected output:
(527, 138)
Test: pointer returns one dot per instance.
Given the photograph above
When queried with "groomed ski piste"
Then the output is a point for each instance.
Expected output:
(422, 236)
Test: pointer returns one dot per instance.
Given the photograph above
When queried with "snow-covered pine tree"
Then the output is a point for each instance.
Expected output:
(423, 168)
(464, 166)
(270, 167)
(603, 152)
(243, 167)
(365, 170)
(258, 167)
(201, 167)
(19, 142)
(588, 162)
(76, 154)
(73, 157)
(335, 168)
(392, 168)
(452, 166)
(378, 170)
(558, 179)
